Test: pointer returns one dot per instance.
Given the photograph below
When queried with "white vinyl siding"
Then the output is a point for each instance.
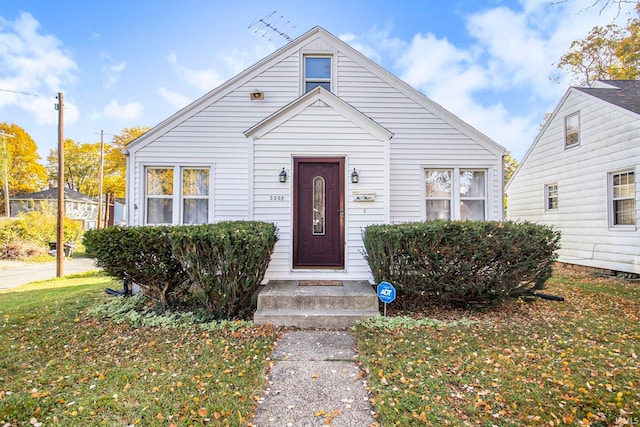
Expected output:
(609, 141)
(244, 171)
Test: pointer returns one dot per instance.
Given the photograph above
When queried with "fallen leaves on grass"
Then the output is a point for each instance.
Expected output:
(59, 371)
(524, 363)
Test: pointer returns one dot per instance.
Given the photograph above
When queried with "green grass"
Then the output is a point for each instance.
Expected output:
(60, 367)
(517, 364)
(522, 363)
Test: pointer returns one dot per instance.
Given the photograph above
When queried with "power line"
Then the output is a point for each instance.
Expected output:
(19, 92)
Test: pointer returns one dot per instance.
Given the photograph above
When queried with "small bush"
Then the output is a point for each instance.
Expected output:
(20, 249)
(29, 233)
(226, 261)
(142, 255)
(463, 262)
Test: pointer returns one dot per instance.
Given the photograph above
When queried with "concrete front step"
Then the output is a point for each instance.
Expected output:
(288, 303)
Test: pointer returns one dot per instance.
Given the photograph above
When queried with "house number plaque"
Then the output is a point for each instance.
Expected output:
(276, 198)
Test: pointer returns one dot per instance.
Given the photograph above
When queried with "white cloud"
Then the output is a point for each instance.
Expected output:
(112, 71)
(175, 99)
(32, 64)
(126, 112)
(206, 79)
(501, 82)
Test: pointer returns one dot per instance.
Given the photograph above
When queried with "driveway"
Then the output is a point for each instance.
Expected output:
(15, 273)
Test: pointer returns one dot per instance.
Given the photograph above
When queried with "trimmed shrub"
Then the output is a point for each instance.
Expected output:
(463, 262)
(142, 255)
(226, 261)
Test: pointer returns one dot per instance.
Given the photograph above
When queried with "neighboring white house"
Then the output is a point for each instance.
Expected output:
(321, 141)
(579, 176)
(77, 206)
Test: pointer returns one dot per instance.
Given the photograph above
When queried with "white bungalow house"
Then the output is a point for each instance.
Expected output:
(321, 141)
(579, 177)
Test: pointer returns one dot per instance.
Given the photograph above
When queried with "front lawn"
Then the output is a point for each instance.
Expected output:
(523, 363)
(520, 363)
(60, 367)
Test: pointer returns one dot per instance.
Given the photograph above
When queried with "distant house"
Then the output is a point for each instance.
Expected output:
(321, 141)
(76, 205)
(579, 176)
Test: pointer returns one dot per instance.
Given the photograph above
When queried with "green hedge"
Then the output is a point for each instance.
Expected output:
(463, 262)
(227, 261)
(142, 255)
(217, 266)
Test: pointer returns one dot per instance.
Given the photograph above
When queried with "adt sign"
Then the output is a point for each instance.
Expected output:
(386, 292)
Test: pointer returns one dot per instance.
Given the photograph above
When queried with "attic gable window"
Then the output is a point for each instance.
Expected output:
(572, 130)
(317, 72)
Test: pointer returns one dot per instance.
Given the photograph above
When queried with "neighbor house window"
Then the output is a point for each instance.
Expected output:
(572, 130)
(551, 197)
(455, 194)
(169, 201)
(317, 72)
(622, 191)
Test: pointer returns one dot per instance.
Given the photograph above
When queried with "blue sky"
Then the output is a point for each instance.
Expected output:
(130, 63)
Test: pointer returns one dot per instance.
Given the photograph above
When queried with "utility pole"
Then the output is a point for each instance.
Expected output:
(60, 240)
(100, 178)
(5, 166)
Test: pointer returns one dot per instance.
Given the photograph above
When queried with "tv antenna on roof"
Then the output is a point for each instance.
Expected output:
(264, 28)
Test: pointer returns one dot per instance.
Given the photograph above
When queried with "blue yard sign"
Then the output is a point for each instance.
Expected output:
(386, 293)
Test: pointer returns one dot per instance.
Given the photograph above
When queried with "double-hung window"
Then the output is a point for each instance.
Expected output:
(317, 72)
(439, 195)
(456, 193)
(572, 130)
(195, 196)
(177, 195)
(551, 197)
(622, 204)
(472, 194)
(159, 195)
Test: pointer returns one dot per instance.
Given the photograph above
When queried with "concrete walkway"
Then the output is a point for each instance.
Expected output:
(315, 381)
(15, 273)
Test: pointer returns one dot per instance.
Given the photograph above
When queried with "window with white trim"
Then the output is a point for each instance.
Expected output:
(572, 130)
(622, 203)
(438, 186)
(159, 195)
(317, 72)
(195, 196)
(551, 197)
(473, 192)
(456, 193)
(169, 201)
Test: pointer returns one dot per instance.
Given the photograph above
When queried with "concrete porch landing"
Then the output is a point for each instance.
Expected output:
(288, 303)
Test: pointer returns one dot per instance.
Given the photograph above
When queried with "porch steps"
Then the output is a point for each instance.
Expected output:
(287, 303)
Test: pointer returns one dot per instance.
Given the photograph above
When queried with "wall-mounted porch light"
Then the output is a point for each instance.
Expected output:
(354, 176)
(283, 175)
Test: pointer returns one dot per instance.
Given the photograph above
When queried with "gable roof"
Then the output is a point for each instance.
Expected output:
(623, 93)
(288, 49)
(327, 98)
(52, 194)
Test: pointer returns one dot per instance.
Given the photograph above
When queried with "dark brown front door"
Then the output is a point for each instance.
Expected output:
(318, 213)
